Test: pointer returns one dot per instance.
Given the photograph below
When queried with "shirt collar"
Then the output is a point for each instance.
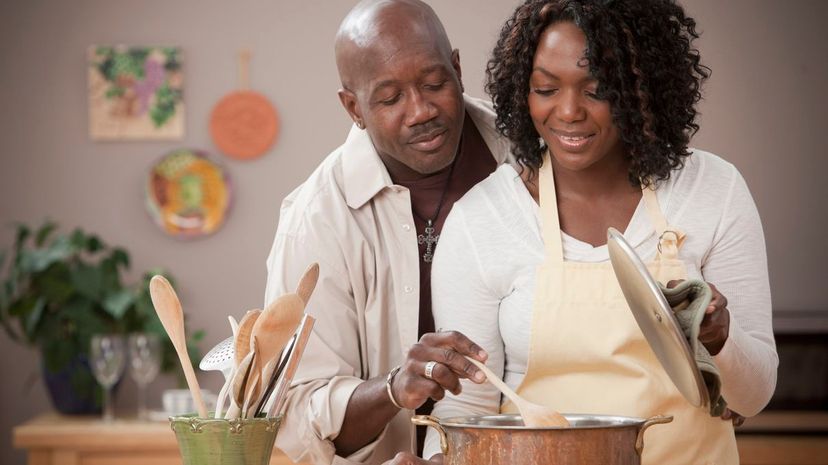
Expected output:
(365, 175)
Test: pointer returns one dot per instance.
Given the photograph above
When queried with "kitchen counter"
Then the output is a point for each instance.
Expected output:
(53, 439)
(771, 438)
(784, 438)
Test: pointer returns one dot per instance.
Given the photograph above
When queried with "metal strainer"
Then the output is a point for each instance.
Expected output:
(220, 358)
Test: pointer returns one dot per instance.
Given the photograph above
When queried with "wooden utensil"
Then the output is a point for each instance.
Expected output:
(225, 388)
(534, 415)
(253, 385)
(240, 384)
(168, 308)
(276, 325)
(243, 343)
(308, 282)
(272, 331)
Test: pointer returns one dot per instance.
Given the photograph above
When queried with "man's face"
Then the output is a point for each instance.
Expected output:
(409, 97)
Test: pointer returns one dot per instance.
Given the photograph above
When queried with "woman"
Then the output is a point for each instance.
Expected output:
(598, 99)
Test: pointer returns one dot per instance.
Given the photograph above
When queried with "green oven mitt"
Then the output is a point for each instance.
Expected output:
(689, 300)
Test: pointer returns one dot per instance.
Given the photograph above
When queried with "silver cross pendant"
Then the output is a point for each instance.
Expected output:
(430, 240)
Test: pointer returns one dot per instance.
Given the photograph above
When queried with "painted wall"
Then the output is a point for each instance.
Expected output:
(763, 111)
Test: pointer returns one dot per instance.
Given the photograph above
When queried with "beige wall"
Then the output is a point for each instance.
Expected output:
(763, 111)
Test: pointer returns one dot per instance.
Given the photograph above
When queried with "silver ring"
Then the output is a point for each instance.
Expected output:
(429, 369)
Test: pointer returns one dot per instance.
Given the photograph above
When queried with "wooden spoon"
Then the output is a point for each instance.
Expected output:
(534, 415)
(276, 325)
(308, 282)
(252, 390)
(168, 308)
(243, 342)
(240, 381)
(272, 331)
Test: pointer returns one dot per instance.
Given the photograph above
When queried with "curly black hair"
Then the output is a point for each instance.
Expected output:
(640, 52)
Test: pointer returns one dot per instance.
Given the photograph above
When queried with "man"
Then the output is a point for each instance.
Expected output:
(371, 216)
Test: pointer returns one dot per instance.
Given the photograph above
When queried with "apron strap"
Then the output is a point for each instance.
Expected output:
(670, 239)
(550, 223)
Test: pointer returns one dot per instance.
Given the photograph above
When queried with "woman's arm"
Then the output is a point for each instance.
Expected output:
(737, 265)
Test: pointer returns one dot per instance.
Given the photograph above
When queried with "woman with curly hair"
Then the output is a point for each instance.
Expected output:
(598, 99)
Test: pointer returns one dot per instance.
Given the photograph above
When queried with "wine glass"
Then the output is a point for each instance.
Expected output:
(144, 364)
(107, 356)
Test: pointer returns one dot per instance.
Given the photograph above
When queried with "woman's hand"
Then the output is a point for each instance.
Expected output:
(443, 352)
(716, 323)
(407, 458)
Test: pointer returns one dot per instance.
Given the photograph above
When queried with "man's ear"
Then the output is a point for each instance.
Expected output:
(455, 63)
(351, 105)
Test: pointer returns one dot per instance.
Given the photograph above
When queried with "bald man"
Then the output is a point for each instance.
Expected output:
(371, 216)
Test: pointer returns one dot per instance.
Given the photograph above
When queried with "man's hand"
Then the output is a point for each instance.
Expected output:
(407, 458)
(412, 387)
(716, 323)
(734, 417)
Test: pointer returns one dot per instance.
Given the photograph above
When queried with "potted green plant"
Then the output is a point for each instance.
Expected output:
(60, 289)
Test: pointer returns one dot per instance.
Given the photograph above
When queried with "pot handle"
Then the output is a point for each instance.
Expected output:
(656, 420)
(428, 420)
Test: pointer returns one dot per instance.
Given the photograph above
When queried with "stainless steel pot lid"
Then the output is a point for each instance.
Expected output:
(656, 319)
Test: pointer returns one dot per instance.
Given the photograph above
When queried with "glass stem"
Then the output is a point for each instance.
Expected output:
(108, 414)
(142, 401)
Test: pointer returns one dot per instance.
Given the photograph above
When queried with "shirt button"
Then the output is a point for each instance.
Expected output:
(406, 227)
(408, 289)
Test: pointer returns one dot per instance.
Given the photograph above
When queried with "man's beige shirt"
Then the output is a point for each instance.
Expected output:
(351, 219)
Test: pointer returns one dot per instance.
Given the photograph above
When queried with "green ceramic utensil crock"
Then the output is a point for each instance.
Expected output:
(208, 441)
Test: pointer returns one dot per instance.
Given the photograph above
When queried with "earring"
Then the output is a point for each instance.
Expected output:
(360, 125)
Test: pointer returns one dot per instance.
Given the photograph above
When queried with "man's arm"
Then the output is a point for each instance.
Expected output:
(370, 407)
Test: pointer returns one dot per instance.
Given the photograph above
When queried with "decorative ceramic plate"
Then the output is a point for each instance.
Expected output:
(187, 194)
(244, 125)
(656, 320)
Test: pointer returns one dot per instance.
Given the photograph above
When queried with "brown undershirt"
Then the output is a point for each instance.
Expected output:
(474, 163)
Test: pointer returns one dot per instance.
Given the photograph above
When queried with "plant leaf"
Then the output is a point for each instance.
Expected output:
(23, 233)
(55, 284)
(94, 244)
(81, 320)
(37, 260)
(78, 239)
(117, 303)
(88, 281)
(22, 306)
(33, 320)
(44, 232)
(120, 257)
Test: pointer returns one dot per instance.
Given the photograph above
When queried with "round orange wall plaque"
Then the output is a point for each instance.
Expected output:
(244, 125)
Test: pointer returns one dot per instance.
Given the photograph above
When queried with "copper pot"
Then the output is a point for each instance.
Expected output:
(502, 439)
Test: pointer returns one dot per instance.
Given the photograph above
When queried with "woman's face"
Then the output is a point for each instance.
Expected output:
(576, 125)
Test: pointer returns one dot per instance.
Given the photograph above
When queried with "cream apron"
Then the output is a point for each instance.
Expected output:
(587, 354)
